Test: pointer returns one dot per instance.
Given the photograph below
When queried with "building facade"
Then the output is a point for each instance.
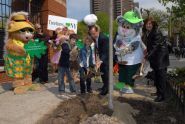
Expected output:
(40, 9)
(119, 6)
(99, 6)
(38, 13)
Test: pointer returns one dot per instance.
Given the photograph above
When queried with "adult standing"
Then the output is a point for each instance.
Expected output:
(102, 48)
(157, 54)
(41, 64)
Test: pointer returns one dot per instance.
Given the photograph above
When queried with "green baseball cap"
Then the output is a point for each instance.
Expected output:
(131, 17)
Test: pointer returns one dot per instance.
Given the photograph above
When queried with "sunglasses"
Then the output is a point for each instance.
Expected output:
(27, 30)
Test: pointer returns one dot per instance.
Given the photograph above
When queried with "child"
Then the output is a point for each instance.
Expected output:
(74, 55)
(86, 61)
(63, 67)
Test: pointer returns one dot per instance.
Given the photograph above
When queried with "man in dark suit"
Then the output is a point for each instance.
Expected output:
(102, 48)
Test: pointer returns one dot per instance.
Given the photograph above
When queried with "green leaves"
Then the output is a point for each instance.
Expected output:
(35, 48)
(178, 6)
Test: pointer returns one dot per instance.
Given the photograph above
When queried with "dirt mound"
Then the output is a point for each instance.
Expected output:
(101, 119)
(155, 113)
(78, 109)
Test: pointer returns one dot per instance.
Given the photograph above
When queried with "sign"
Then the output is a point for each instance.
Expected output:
(57, 21)
(35, 48)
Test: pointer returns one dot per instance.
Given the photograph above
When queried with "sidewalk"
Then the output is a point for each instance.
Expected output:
(27, 108)
(129, 108)
(30, 107)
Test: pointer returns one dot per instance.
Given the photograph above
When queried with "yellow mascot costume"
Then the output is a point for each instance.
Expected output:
(18, 63)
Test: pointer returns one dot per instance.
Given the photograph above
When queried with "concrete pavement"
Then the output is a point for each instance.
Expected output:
(27, 108)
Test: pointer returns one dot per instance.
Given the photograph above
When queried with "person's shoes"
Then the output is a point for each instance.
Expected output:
(127, 90)
(72, 94)
(43, 82)
(99, 89)
(61, 92)
(153, 94)
(104, 92)
(89, 91)
(82, 94)
(159, 99)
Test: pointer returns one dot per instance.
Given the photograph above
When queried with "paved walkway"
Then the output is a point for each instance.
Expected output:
(30, 107)
(27, 108)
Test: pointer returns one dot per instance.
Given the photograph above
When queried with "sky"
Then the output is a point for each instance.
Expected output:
(78, 9)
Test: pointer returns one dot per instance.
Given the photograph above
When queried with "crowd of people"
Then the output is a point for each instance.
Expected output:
(81, 63)
(74, 62)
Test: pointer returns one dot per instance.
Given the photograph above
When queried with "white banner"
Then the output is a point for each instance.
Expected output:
(58, 21)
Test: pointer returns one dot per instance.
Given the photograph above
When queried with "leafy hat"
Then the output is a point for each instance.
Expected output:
(131, 17)
(19, 21)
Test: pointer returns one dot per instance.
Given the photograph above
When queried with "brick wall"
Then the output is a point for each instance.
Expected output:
(51, 7)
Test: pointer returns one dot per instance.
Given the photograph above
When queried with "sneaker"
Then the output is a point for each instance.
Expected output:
(72, 94)
(127, 90)
(64, 95)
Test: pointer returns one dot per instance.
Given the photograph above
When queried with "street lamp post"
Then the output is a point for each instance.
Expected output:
(110, 55)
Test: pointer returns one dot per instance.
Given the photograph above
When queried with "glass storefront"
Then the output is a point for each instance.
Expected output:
(5, 10)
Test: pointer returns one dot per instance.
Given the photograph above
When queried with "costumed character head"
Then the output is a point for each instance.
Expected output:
(19, 27)
(18, 64)
(129, 25)
(19, 32)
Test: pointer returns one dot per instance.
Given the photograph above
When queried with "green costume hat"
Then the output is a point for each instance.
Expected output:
(131, 17)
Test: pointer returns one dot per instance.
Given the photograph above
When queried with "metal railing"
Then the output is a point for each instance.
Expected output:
(177, 92)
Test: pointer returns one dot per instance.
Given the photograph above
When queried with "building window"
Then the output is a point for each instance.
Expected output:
(35, 16)
(5, 10)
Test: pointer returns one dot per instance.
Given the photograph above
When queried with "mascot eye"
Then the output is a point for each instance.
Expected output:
(126, 26)
(26, 30)
(23, 30)
(30, 30)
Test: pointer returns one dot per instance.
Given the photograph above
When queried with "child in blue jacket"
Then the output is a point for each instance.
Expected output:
(86, 62)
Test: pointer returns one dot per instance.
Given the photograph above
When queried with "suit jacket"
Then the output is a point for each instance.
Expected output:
(103, 48)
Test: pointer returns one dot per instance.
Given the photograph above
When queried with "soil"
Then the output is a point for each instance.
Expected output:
(101, 119)
(76, 110)
(155, 113)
